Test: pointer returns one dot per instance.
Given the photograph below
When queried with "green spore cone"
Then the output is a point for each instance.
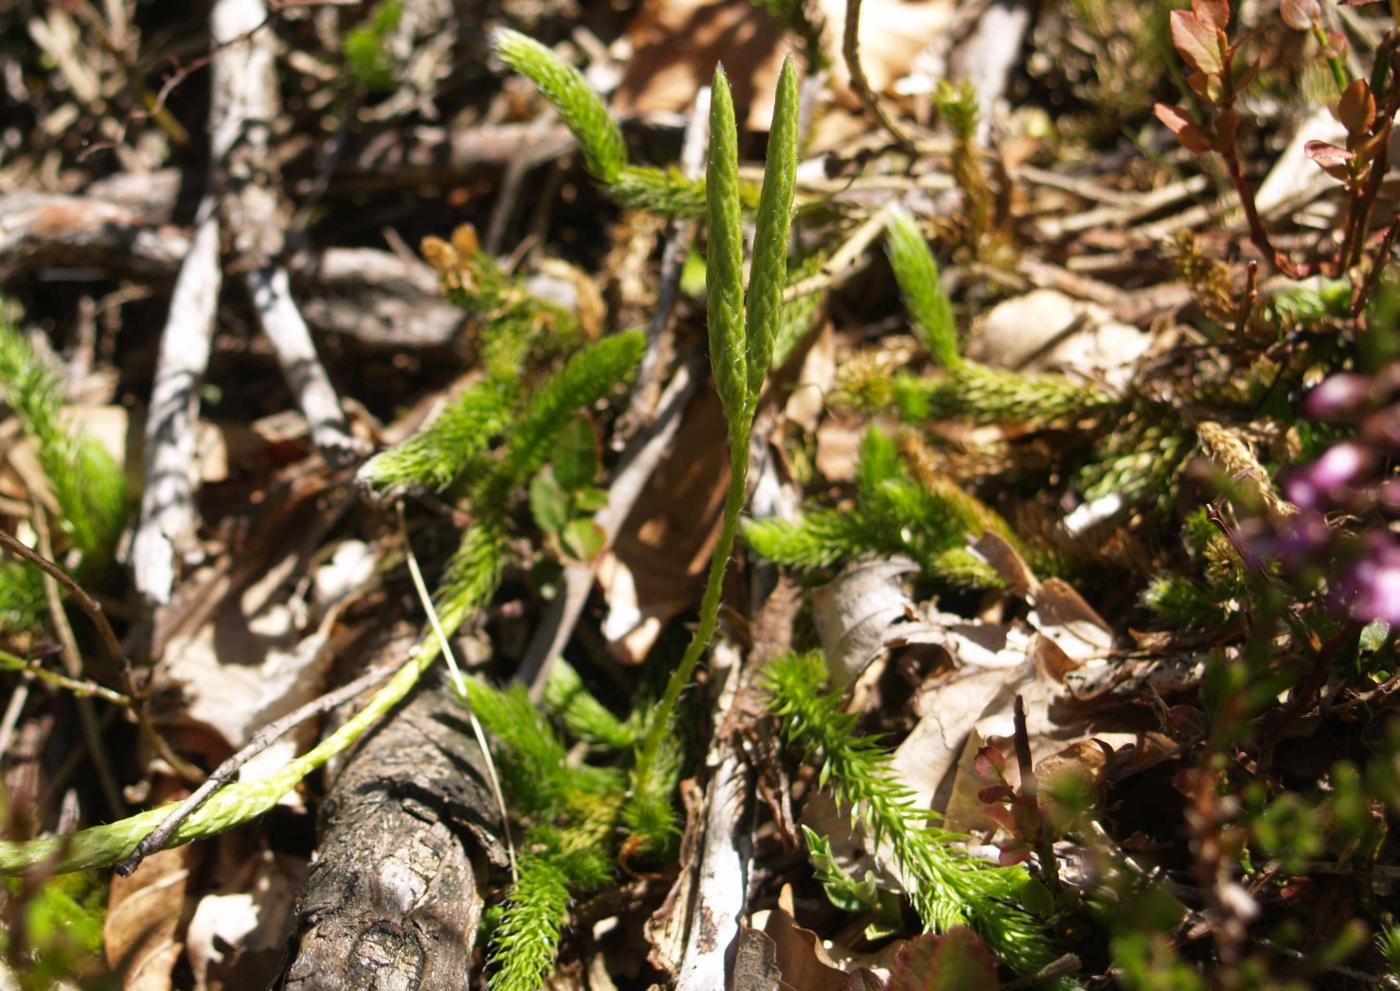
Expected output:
(768, 274)
(724, 281)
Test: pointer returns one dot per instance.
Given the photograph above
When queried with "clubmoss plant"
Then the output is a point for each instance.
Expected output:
(742, 330)
(665, 191)
(468, 582)
(947, 886)
(1132, 447)
(87, 484)
(966, 390)
(571, 811)
(957, 106)
(893, 514)
(584, 716)
(366, 47)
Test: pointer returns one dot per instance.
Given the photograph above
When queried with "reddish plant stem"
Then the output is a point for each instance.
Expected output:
(95, 612)
(1251, 296)
(1245, 189)
(1030, 791)
(1362, 205)
(1373, 277)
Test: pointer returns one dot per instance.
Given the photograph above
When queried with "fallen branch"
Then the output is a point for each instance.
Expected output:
(244, 105)
(392, 899)
(375, 297)
(53, 573)
(165, 530)
(726, 848)
(850, 51)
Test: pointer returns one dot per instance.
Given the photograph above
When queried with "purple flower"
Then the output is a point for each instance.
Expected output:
(1383, 427)
(1339, 398)
(1323, 480)
(1372, 585)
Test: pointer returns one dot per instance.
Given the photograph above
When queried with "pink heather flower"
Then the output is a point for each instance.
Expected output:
(1342, 464)
(1339, 397)
(1383, 427)
(1301, 539)
(1373, 584)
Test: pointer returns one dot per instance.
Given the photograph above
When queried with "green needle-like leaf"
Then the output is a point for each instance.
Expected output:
(768, 275)
(725, 259)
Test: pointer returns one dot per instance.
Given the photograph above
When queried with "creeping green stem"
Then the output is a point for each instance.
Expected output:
(101, 846)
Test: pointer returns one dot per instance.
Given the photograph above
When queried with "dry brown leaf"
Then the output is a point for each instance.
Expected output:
(656, 568)
(236, 934)
(802, 961)
(1062, 615)
(859, 612)
(838, 448)
(1057, 610)
(893, 33)
(949, 708)
(676, 45)
(756, 962)
(259, 652)
(1046, 330)
(807, 401)
(145, 918)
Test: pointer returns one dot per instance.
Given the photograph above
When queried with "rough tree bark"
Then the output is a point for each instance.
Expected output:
(407, 832)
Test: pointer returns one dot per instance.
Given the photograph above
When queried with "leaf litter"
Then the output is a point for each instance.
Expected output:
(1103, 674)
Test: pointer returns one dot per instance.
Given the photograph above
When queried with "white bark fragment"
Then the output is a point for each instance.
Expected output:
(166, 527)
(726, 850)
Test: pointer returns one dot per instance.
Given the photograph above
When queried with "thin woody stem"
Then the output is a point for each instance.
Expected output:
(850, 51)
(1257, 233)
(95, 612)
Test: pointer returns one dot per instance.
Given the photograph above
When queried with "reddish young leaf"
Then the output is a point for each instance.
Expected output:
(1244, 76)
(1330, 159)
(1300, 15)
(1002, 816)
(955, 961)
(996, 793)
(1209, 86)
(1226, 123)
(1197, 40)
(990, 764)
(1187, 131)
(1012, 857)
(1216, 13)
(1357, 108)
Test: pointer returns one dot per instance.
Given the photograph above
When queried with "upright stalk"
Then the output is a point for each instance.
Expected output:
(741, 332)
